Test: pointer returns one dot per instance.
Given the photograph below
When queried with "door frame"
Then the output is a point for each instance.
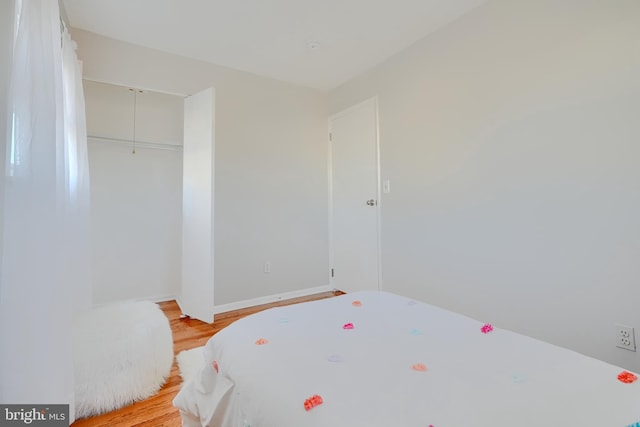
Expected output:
(373, 100)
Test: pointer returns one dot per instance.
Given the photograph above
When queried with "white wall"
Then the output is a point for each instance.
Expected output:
(135, 198)
(511, 140)
(270, 171)
(135, 222)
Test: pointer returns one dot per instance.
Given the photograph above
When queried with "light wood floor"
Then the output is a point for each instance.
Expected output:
(158, 411)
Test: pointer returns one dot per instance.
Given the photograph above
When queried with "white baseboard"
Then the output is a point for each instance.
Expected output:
(223, 308)
(270, 299)
(156, 299)
(162, 298)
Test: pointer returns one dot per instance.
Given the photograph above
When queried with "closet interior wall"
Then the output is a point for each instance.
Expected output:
(136, 198)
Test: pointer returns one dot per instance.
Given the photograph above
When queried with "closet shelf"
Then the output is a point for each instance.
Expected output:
(138, 144)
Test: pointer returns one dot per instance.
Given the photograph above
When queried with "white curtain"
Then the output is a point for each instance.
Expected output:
(76, 179)
(44, 277)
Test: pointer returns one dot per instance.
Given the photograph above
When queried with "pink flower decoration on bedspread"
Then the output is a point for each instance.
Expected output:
(486, 328)
(627, 377)
(347, 326)
(262, 341)
(420, 367)
(215, 366)
(357, 304)
(312, 402)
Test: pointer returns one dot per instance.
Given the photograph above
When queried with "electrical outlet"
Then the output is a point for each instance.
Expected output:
(625, 337)
(267, 267)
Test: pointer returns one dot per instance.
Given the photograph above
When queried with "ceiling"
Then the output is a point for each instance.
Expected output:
(319, 44)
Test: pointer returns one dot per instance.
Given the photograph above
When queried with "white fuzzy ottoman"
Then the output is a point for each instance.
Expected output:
(123, 352)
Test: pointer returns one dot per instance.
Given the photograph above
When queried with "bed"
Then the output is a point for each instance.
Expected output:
(376, 359)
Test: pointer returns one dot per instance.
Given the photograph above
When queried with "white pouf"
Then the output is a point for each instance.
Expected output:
(123, 352)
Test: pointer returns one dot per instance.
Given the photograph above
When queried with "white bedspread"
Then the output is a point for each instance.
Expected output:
(367, 375)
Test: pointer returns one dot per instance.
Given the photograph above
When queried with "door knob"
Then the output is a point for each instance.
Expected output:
(371, 202)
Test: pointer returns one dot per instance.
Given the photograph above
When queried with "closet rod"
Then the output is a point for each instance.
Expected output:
(139, 144)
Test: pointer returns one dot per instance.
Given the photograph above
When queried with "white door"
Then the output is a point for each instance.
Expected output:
(354, 198)
(197, 206)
